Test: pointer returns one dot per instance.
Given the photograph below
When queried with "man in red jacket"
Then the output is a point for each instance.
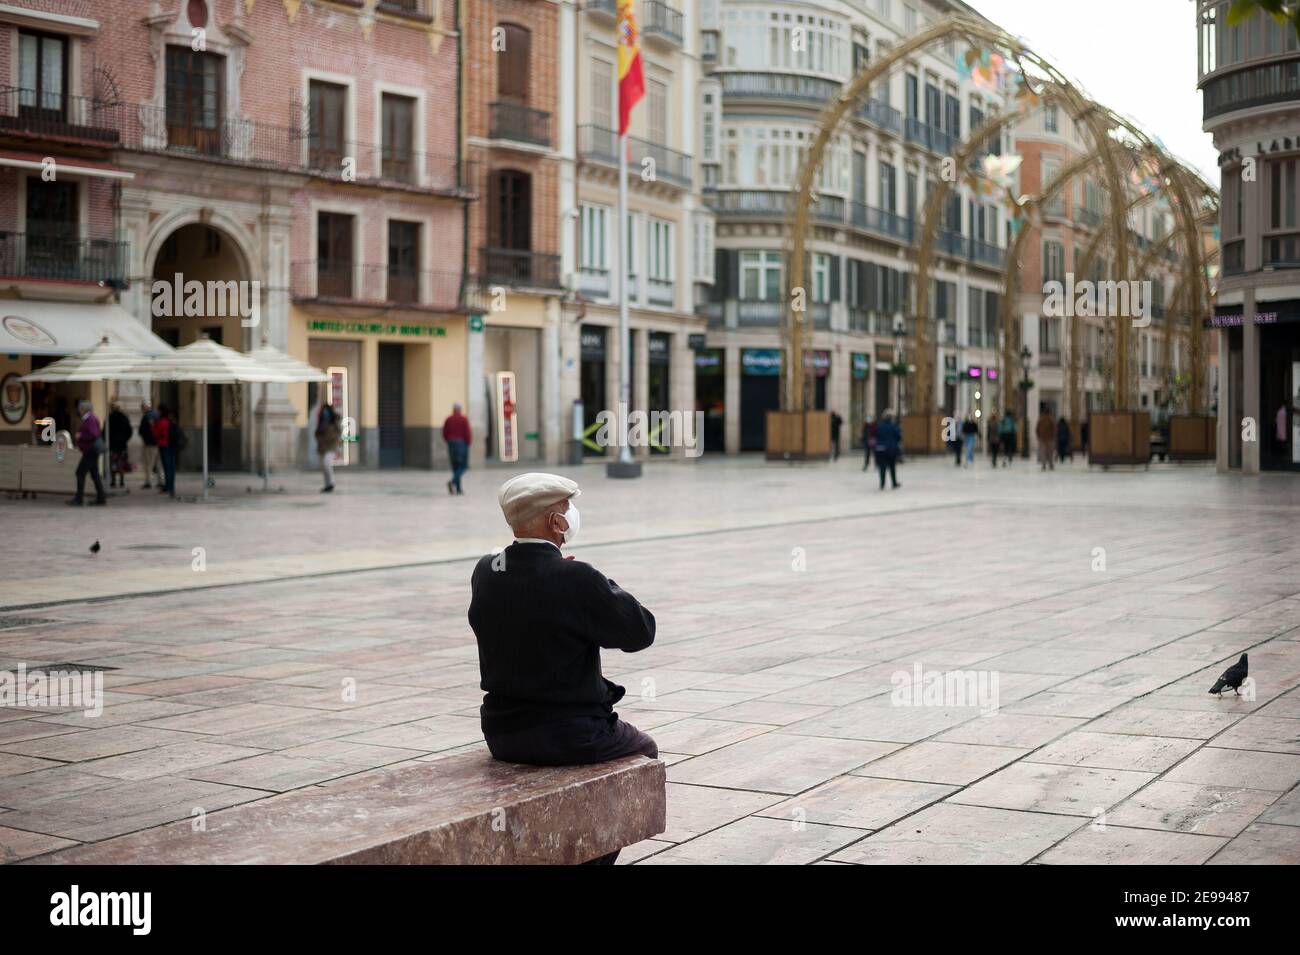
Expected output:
(455, 431)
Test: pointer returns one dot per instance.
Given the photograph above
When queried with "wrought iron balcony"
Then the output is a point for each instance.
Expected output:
(1089, 217)
(880, 114)
(660, 292)
(598, 144)
(787, 87)
(931, 137)
(343, 281)
(607, 7)
(659, 19)
(953, 243)
(880, 221)
(78, 119)
(34, 256)
(985, 253)
(594, 282)
(519, 268)
(520, 124)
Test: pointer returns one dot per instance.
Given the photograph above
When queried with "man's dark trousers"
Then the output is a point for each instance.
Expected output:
(89, 464)
(576, 741)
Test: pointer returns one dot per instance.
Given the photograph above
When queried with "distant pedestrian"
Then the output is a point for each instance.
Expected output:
(1007, 437)
(329, 434)
(119, 436)
(152, 462)
(1064, 441)
(166, 432)
(991, 437)
(969, 432)
(1083, 437)
(90, 441)
(1045, 432)
(456, 432)
(836, 424)
(868, 440)
(889, 445)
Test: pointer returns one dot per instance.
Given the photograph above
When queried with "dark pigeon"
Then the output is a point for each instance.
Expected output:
(1232, 677)
(94, 548)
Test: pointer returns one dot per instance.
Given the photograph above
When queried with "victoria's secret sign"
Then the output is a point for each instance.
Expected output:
(1231, 321)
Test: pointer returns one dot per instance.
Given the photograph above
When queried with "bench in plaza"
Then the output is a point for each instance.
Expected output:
(466, 808)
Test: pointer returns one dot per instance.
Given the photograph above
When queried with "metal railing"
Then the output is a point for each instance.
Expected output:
(598, 144)
(25, 255)
(881, 221)
(659, 19)
(985, 253)
(522, 124)
(519, 268)
(931, 137)
(778, 86)
(345, 281)
(85, 119)
(594, 282)
(879, 114)
(660, 292)
(1089, 217)
(609, 7)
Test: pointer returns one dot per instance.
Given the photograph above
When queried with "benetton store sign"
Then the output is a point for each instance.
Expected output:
(376, 328)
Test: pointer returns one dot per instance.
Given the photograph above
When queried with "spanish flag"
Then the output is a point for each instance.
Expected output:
(631, 79)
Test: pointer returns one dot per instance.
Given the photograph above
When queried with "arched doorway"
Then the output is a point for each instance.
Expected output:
(200, 285)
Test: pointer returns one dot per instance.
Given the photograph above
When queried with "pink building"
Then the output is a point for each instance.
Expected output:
(301, 159)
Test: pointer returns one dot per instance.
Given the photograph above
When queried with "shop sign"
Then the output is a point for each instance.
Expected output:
(1232, 321)
(13, 398)
(861, 365)
(819, 362)
(709, 362)
(593, 344)
(760, 361)
(376, 328)
(696, 342)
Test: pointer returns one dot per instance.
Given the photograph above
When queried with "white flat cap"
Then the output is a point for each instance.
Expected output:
(525, 496)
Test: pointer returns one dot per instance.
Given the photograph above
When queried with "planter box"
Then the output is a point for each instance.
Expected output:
(1192, 437)
(1119, 437)
(923, 434)
(798, 436)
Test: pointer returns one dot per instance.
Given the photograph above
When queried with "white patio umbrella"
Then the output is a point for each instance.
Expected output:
(271, 357)
(104, 362)
(204, 362)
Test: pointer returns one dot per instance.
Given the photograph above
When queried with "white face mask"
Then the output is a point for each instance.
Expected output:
(571, 515)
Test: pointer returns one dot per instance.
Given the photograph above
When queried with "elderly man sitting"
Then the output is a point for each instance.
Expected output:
(540, 620)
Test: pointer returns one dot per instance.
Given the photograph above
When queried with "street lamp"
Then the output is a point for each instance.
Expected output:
(1026, 356)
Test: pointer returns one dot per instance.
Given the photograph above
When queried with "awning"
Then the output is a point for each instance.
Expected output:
(64, 328)
(73, 167)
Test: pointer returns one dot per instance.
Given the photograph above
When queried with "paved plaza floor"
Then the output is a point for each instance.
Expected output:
(1091, 610)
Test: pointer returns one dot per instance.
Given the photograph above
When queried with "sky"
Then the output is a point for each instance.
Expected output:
(1137, 57)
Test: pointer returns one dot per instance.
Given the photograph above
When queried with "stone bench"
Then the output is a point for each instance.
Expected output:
(467, 808)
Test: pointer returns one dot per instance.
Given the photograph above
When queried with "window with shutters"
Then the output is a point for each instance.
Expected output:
(334, 264)
(888, 188)
(704, 251)
(708, 128)
(399, 137)
(594, 243)
(327, 114)
(510, 225)
(513, 64)
(602, 93)
(195, 100)
(657, 95)
(403, 261)
(1053, 261)
(821, 278)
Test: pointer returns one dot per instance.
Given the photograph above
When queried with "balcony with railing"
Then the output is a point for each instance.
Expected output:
(880, 221)
(520, 124)
(1087, 217)
(787, 87)
(78, 120)
(607, 7)
(660, 20)
(931, 137)
(768, 314)
(385, 165)
(343, 281)
(519, 268)
(881, 115)
(952, 243)
(600, 145)
(985, 253)
(61, 259)
(594, 283)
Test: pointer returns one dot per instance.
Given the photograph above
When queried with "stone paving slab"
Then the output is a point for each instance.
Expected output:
(771, 690)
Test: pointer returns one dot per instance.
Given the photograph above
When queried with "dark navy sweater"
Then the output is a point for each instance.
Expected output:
(540, 621)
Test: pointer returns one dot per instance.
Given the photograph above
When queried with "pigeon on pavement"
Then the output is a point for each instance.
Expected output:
(94, 548)
(1232, 677)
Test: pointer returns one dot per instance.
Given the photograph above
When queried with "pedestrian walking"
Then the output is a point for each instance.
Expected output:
(889, 446)
(329, 435)
(1064, 441)
(456, 432)
(119, 436)
(1007, 437)
(836, 424)
(868, 440)
(90, 441)
(991, 437)
(167, 435)
(969, 432)
(152, 461)
(1045, 432)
